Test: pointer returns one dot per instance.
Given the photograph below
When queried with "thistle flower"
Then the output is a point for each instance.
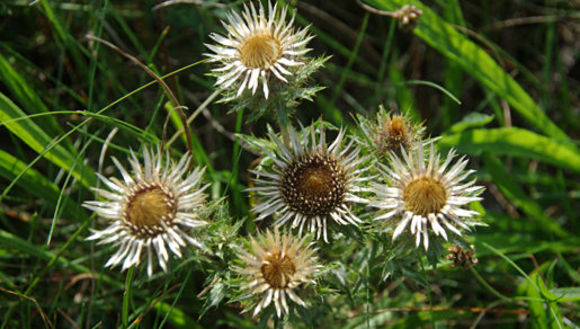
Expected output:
(309, 182)
(256, 47)
(425, 195)
(150, 211)
(389, 132)
(275, 266)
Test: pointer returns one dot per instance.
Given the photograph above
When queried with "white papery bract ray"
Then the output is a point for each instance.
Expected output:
(257, 47)
(151, 212)
(310, 184)
(274, 267)
(425, 195)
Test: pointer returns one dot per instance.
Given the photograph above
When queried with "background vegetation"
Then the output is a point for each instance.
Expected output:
(498, 80)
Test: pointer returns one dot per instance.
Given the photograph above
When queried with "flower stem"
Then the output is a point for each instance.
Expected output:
(127, 297)
(283, 121)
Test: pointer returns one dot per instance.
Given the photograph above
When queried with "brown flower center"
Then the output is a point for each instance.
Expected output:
(424, 195)
(397, 127)
(148, 207)
(260, 51)
(314, 184)
(393, 133)
(277, 270)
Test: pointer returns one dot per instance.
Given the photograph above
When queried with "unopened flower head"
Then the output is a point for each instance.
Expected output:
(389, 132)
(256, 48)
(310, 183)
(426, 195)
(275, 265)
(150, 211)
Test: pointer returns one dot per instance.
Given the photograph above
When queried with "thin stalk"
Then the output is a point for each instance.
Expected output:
(234, 181)
(368, 285)
(127, 297)
(44, 271)
(429, 296)
(386, 51)
(282, 115)
(192, 117)
(170, 94)
(350, 62)
(86, 121)
(488, 286)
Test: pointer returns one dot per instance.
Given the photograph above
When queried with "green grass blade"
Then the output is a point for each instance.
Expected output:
(23, 92)
(515, 142)
(353, 55)
(475, 61)
(472, 120)
(44, 189)
(38, 140)
(177, 317)
(520, 198)
(127, 296)
(402, 92)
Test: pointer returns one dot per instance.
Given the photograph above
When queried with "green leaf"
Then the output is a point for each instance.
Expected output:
(475, 61)
(472, 120)
(560, 295)
(550, 318)
(515, 142)
(38, 140)
(536, 306)
(568, 294)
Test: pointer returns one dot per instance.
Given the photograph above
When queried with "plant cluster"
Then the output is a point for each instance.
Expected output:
(384, 181)
(315, 219)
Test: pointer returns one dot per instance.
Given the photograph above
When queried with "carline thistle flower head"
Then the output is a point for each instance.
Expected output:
(257, 47)
(150, 211)
(388, 132)
(310, 183)
(275, 265)
(426, 195)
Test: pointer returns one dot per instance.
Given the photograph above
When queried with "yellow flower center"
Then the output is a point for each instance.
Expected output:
(260, 51)
(278, 270)
(424, 195)
(149, 206)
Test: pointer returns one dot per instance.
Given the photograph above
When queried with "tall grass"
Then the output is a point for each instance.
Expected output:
(495, 81)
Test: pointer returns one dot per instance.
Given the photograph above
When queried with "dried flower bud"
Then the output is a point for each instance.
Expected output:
(408, 16)
(389, 132)
(462, 257)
